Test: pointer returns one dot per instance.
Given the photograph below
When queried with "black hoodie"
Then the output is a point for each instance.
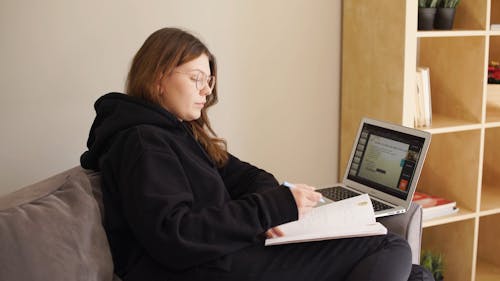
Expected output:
(168, 208)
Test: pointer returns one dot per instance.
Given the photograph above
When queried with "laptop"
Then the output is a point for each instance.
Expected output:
(385, 162)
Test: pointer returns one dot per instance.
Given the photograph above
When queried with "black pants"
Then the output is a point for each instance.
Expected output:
(385, 257)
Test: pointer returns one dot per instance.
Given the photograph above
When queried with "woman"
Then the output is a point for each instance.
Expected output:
(178, 206)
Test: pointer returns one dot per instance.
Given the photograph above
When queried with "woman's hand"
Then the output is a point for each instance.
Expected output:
(305, 197)
(274, 232)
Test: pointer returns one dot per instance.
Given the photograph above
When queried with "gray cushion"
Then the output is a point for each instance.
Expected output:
(52, 231)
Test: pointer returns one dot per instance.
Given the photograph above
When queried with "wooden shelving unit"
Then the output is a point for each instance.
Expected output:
(380, 52)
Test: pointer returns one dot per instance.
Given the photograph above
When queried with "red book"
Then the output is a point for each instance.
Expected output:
(434, 206)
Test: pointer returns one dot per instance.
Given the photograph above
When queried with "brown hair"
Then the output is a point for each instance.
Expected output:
(162, 51)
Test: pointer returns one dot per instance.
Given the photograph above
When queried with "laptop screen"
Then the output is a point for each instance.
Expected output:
(386, 160)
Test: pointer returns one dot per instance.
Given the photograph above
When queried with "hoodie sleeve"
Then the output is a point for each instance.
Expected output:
(242, 178)
(157, 202)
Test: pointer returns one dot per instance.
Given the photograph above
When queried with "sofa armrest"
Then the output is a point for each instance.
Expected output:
(409, 226)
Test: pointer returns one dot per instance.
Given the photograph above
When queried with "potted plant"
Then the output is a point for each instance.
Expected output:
(434, 263)
(446, 14)
(426, 14)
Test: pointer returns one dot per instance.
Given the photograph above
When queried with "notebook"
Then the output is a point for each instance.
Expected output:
(385, 163)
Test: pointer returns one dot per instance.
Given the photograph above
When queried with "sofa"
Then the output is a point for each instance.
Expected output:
(52, 230)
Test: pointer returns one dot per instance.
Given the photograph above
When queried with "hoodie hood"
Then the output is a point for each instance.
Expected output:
(116, 112)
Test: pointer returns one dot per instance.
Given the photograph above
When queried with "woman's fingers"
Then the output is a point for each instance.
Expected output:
(305, 198)
(274, 232)
(277, 232)
(314, 195)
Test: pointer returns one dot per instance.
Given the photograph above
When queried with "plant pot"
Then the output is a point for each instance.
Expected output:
(444, 18)
(426, 18)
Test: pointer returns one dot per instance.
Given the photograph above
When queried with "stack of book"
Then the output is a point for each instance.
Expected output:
(423, 105)
(495, 27)
(434, 206)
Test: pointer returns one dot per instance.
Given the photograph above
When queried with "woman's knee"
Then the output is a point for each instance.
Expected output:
(390, 260)
(399, 247)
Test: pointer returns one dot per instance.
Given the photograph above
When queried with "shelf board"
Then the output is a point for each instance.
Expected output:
(490, 199)
(486, 271)
(495, 33)
(492, 122)
(489, 212)
(444, 124)
(462, 214)
(451, 33)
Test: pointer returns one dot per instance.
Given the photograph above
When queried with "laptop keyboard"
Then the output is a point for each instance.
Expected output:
(337, 193)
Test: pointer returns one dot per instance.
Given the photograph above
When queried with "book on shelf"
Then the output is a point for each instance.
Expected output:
(423, 102)
(353, 217)
(495, 27)
(434, 206)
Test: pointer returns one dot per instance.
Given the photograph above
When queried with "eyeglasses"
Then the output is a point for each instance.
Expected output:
(200, 78)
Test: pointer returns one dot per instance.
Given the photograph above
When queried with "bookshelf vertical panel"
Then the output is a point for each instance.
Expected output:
(450, 170)
(456, 242)
(490, 193)
(488, 263)
(457, 73)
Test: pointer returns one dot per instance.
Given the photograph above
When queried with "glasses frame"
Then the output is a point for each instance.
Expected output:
(201, 80)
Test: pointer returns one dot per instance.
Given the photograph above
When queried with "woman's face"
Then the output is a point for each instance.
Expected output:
(180, 93)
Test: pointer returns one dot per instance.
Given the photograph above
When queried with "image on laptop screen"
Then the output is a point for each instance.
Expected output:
(386, 160)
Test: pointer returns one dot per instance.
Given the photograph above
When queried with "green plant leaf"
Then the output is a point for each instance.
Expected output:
(433, 3)
(434, 262)
(449, 3)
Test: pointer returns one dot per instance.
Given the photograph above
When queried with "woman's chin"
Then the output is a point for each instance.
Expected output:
(192, 117)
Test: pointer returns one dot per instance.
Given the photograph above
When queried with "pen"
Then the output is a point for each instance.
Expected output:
(291, 186)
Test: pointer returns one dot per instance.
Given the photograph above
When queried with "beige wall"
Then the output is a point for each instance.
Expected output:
(279, 78)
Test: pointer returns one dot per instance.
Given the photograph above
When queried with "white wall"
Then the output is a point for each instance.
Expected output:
(279, 65)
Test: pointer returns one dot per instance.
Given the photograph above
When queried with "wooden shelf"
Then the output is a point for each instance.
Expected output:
(451, 33)
(450, 169)
(489, 212)
(456, 242)
(488, 264)
(445, 124)
(494, 124)
(492, 113)
(487, 271)
(490, 198)
(462, 162)
(493, 103)
(462, 214)
(456, 91)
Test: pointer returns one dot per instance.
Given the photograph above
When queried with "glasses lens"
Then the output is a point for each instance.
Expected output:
(211, 82)
(202, 79)
(199, 81)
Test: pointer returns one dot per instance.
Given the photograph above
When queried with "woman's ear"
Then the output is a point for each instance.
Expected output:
(159, 88)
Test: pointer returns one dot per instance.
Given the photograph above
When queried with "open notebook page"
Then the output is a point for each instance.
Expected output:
(351, 217)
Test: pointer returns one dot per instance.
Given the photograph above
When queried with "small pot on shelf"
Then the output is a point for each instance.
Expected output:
(444, 18)
(426, 18)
